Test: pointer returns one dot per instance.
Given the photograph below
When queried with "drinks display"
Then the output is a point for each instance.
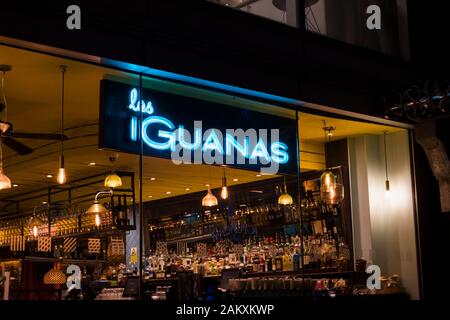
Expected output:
(277, 254)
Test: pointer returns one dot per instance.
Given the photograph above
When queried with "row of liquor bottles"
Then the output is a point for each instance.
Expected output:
(258, 255)
(76, 222)
(314, 209)
(244, 219)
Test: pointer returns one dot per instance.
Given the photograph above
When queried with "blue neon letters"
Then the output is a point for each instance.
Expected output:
(167, 136)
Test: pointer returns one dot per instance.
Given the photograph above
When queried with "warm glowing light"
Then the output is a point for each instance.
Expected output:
(330, 190)
(209, 200)
(328, 180)
(61, 178)
(91, 164)
(15, 185)
(34, 224)
(97, 220)
(285, 199)
(35, 231)
(96, 208)
(113, 181)
(187, 189)
(224, 190)
(49, 176)
(224, 193)
(168, 192)
(5, 182)
(235, 179)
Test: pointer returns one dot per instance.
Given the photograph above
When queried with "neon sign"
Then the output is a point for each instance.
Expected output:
(189, 130)
(168, 136)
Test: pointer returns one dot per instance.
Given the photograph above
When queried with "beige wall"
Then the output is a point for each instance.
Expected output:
(384, 227)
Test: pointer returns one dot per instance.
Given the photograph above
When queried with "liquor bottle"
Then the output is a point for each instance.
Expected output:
(274, 263)
(296, 260)
(269, 263)
(125, 221)
(305, 208)
(119, 213)
(279, 261)
(285, 260)
(336, 210)
(306, 254)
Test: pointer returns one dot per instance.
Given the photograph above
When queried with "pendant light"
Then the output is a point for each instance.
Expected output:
(113, 180)
(209, 200)
(61, 177)
(331, 191)
(5, 182)
(55, 276)
(386, 183)
(34, 224)
(224, 190)
(285, 199)
(97, 209)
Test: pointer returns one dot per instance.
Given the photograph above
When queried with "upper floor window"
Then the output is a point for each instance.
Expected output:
(284, 11)
(347, 21)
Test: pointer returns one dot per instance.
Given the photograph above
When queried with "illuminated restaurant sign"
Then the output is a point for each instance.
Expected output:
(190, 130)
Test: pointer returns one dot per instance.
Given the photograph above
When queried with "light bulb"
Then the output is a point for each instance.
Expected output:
(35, 231)
(61, 178)
(224, 193)
(113, 181)
(387, 187)
(332, 192)
(5, 182)
(97, 220)
(327, 181)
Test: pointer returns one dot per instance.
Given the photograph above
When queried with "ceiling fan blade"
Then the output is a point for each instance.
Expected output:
(17, 146)
(38, 136)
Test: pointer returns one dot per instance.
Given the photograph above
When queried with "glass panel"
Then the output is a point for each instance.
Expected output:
(284, 11)
(372, 221)
(346, 21)
(42, 202)
(209, 214)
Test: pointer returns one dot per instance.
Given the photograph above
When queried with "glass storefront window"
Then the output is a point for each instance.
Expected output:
(347, 23)
(202, 185)
(284, 11)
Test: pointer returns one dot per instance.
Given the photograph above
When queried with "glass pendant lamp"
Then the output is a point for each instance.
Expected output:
(331, 187)
(285, 198)
(61, 177)
(113, 180)
(209, 200)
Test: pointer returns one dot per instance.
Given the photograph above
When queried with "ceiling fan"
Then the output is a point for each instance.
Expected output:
(8, 136)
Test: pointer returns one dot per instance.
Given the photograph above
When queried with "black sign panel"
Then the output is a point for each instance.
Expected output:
(196, 131)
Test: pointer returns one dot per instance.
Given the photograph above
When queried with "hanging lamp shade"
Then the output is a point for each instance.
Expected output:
(96, 208)
(113, 181)
(331, 191)
(5, 182)
(55, 276)
(209, 200)
(285, 199)
(34, 224)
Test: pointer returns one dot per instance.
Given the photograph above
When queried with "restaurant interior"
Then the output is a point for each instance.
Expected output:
(71, 225)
